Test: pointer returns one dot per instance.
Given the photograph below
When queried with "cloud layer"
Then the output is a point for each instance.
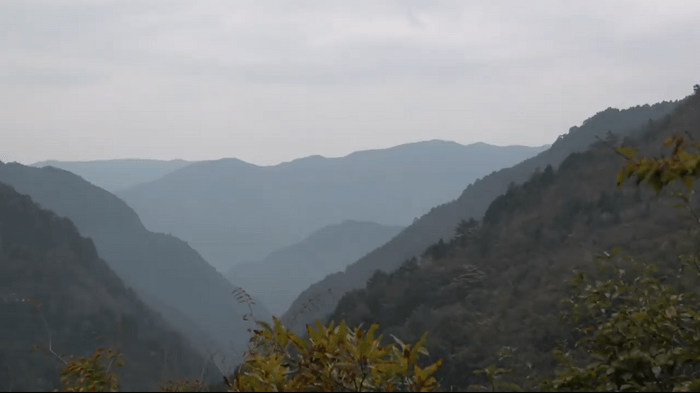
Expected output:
(269, 81)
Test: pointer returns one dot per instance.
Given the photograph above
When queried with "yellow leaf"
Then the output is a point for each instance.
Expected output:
(626, 151)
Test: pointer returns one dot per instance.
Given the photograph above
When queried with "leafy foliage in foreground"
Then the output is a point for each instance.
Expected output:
(638, 333)
(333, 358)
(184, 385)
(91, 374)
(683, 165)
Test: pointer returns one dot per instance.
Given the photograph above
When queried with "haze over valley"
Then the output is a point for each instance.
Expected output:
(115, 175)
(349, 196)
(232, 211)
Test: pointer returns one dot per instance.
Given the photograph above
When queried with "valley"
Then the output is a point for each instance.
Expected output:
(483, 271)
(400, 196)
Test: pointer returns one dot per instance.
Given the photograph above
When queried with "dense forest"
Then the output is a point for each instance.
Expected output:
(441, 221)
(500, 282)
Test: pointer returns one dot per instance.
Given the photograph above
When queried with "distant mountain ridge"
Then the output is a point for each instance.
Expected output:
(279, 278)
(232, 211)
(82, 306)
(113, 175)
(171, 277)
(442, 220)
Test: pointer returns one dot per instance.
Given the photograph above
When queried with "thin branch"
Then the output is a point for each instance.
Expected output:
(109, 366)
(364, 376)
(692, 211)
(612, 147)
(305, 307)
(48, 331)
(201, 376)
(242, 297)
(688, 206)
(165, 364)
(204, 368)
(228, 381)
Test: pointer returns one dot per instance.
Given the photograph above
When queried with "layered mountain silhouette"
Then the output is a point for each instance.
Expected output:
(441, 221)
(114, 175)
(169, 275)
(279, 278)
(56, 292)
(502, 284)
(232, 211)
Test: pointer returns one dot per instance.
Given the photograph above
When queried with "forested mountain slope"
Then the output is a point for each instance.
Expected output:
(172, 277)
(441, 221)
(233, 212)
(501, 283)
(279, 278)
(55, 289)
(114, 175)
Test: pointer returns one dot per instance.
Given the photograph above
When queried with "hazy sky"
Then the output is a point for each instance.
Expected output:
(268, 81)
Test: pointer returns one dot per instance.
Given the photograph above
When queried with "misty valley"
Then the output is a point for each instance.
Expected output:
(349, 196)
(208, 274)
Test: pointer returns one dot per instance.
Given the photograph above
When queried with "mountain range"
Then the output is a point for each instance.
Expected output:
(232, 211)
(170, 276)
(279, 278)
(376, 236)
(441, 221)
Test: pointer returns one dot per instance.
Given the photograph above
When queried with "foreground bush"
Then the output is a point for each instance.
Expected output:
(334, 358)
(92, 374)
(637, 333)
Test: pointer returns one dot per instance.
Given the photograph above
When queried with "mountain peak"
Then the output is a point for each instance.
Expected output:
(271, 207)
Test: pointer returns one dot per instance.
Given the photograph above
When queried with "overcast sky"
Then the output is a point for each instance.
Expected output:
(268, 81)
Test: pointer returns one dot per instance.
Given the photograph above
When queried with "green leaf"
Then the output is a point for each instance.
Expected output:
(627, 151)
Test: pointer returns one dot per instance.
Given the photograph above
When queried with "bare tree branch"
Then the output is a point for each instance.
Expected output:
(201, 376)
(228, 382)
(48, 331)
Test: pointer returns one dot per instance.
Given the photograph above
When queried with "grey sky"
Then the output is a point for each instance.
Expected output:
(268, 81)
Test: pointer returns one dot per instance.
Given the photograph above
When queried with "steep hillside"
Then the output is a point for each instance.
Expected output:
(501, 284)
(232, 211)
(161, 267)
(279, 278)
(441, 221)
(114, 175)
(83, 306)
